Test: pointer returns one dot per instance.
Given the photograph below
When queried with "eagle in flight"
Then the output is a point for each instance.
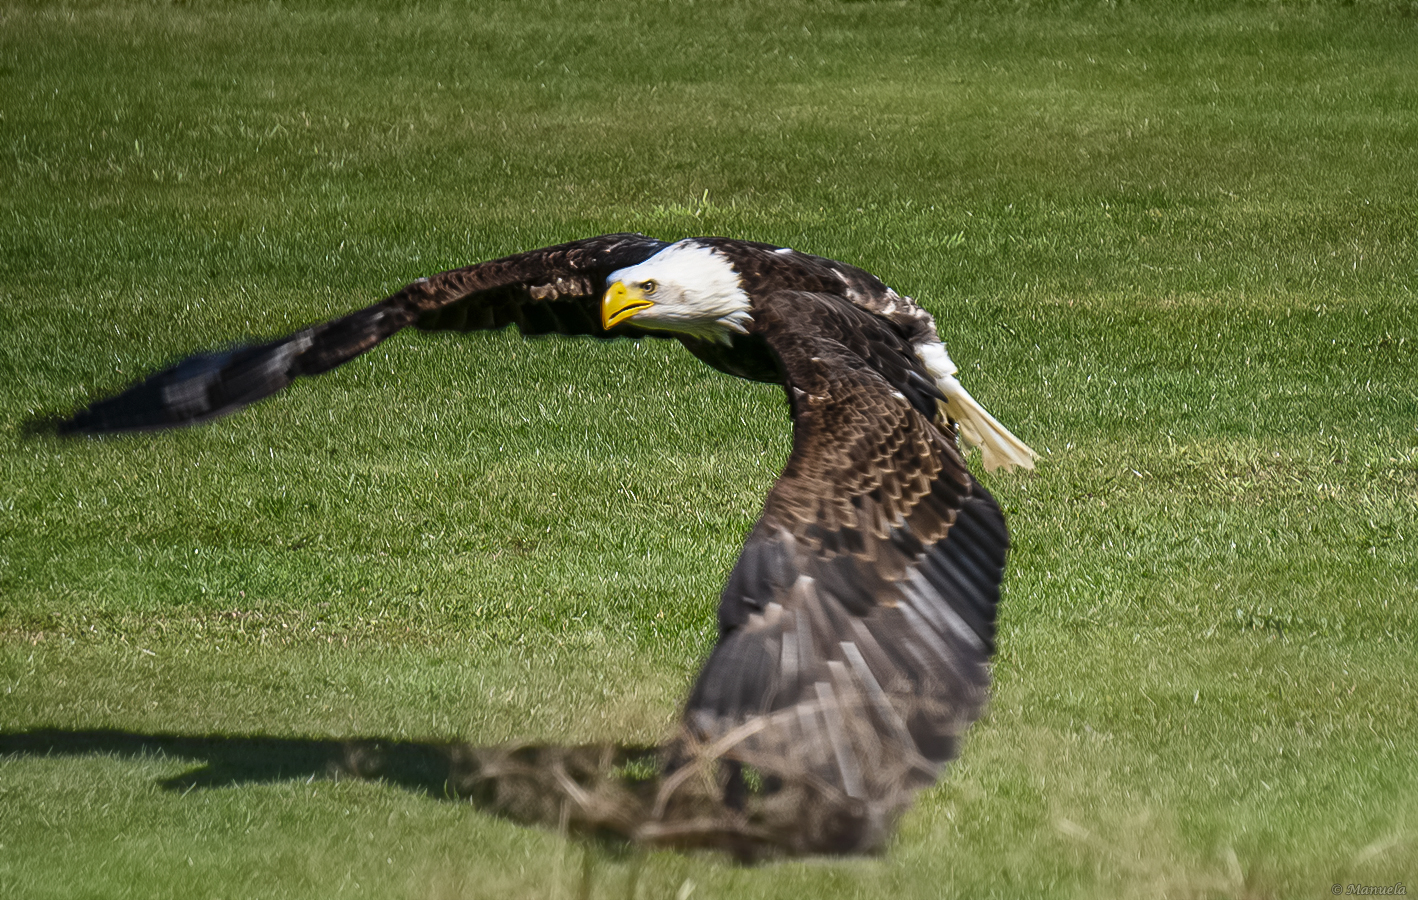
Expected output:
(857, 625)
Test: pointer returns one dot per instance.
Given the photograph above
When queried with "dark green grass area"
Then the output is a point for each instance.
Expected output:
(1174, 248)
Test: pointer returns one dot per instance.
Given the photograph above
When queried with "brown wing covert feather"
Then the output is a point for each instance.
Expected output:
(765, 268)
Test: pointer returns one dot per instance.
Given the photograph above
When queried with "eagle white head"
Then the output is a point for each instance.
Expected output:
(687, 288)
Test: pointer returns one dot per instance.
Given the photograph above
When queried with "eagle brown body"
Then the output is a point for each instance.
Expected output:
(856, 628)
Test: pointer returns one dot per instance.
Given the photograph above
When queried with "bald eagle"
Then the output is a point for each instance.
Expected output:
(856, 627)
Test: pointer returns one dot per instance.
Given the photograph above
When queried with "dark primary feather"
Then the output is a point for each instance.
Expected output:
(552, 290)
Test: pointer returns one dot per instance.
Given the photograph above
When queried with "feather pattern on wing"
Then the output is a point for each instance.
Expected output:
(856, 628)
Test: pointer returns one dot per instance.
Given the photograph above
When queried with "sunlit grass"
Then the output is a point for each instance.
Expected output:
(1174, 250)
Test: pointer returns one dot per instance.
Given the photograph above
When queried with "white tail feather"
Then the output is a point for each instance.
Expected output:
(1000, 449)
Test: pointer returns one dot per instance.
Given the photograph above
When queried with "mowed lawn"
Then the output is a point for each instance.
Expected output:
(1175, 249)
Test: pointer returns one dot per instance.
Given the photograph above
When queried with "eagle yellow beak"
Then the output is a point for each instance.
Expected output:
(620, 303)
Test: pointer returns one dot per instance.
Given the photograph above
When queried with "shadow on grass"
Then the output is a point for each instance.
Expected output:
(529, 784)
(681, 794)
(428, 767)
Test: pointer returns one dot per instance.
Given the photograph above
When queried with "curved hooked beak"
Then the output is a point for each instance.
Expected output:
(620, 303)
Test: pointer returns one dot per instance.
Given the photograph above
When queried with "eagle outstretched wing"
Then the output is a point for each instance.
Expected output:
(555, 290)
(856, 627)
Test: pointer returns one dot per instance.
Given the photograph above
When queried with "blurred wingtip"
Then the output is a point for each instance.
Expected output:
(82, 423)
(47, 425)
(197, 389)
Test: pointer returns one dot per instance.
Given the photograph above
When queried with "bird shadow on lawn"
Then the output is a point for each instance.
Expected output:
(440, 769)
(423, 766)
(669, 796)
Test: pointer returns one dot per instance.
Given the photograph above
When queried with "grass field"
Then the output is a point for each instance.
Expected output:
(1175, 248)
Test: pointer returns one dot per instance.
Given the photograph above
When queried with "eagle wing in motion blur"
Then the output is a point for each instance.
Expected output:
(856, 628)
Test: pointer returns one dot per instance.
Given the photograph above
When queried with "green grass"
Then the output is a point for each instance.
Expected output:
(1175, 249)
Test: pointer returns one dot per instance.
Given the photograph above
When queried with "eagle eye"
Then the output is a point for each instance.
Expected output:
(647, 287)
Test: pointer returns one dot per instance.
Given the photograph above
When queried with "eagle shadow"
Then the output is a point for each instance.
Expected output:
(669, 795)
(427, 767)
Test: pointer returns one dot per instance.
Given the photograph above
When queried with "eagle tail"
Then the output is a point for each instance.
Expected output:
(999, 447)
